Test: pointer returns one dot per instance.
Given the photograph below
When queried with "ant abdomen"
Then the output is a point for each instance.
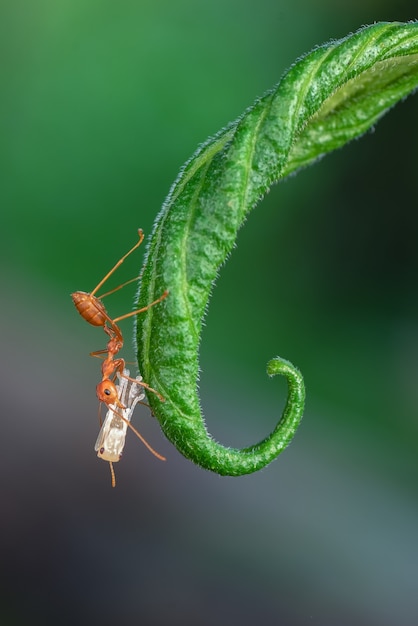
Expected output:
(90, 308)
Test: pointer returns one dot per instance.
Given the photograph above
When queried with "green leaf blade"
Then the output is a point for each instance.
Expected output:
(326, 99)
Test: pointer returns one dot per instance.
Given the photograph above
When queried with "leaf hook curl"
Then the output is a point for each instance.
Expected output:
(327, 98)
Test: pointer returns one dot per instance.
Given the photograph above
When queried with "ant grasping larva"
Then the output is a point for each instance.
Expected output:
(111, 440)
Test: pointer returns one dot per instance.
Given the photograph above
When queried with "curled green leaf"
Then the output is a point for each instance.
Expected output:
(327, 98)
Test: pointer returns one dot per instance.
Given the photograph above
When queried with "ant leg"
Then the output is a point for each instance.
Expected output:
(145, 442)
(141, 238)
(147, 405)
(146, 386)
(137, 433)
(119, 365)
(98, 353)
(145, 308)
(128, 282)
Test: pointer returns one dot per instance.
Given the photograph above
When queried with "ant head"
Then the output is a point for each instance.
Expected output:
(108, 394)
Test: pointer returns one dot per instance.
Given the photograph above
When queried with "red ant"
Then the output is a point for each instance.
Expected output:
(92, 309)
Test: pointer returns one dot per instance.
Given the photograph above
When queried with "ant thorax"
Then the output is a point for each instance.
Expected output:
(111, 440)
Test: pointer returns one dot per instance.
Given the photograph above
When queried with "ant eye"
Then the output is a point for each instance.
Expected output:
(107, 392)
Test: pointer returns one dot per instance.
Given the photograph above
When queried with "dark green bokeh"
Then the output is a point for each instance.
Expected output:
(101, 104)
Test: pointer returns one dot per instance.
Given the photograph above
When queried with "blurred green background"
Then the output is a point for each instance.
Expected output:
(101, 103)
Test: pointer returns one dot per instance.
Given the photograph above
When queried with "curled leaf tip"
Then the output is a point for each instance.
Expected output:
(326, 99)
